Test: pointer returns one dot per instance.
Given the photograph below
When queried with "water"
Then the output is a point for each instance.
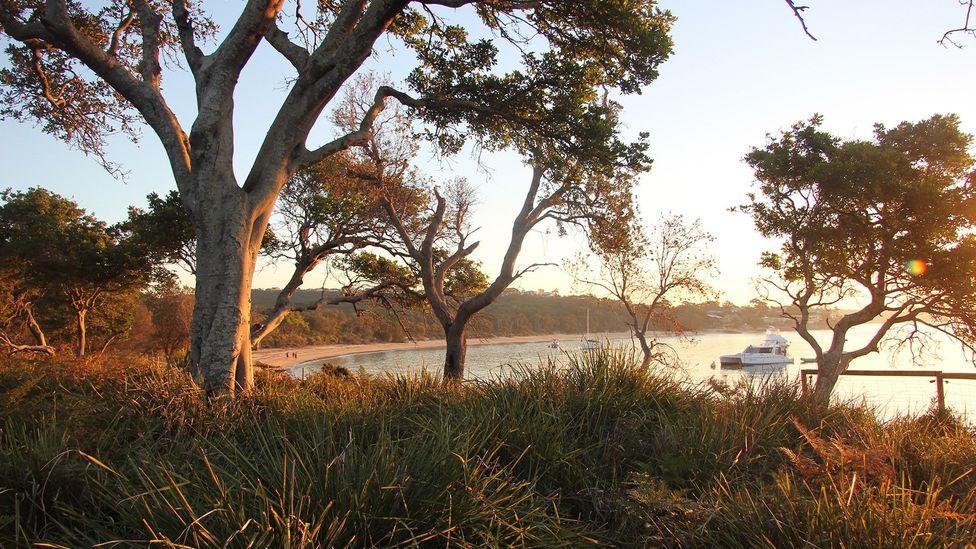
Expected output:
(699, 361)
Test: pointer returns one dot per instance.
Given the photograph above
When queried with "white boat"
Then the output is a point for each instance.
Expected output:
(771, 351)
(589, 344)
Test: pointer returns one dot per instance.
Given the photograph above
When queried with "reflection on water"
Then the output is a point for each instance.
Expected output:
(699, 362)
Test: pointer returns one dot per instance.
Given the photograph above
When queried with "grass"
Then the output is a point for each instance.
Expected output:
(125, 452)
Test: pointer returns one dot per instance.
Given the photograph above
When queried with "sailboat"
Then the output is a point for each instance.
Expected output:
(589, 344)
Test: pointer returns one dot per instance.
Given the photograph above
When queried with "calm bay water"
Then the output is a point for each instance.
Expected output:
(889, 395)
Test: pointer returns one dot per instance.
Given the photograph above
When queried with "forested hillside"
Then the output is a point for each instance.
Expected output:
(515, 313)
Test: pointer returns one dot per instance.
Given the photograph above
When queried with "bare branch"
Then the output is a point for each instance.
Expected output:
(965, 28)
(14, 348)
(531, 269)
(798, 12)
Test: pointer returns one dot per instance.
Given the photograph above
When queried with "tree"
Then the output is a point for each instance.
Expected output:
(63, 249)
(323, 212)
(888, 222)
(17, 299)
(587, 186)
(326, 212)
(563, 192)
(170, 307)
(84, 72)
(651, 271)
(165, 230)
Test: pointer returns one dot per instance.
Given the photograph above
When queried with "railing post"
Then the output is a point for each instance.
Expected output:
(940, 391)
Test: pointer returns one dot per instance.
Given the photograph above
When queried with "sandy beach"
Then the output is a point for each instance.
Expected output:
(284, 357)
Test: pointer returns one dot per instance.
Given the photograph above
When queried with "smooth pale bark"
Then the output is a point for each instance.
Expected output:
(283, 303)
(834, 361)
(270, 324)
(228, 240)
(15, 348)
(39, 338)
(82, 330)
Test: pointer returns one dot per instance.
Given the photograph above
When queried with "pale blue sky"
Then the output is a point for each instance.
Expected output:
(740, 70)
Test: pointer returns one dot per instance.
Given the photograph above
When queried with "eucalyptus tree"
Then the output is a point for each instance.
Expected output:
(61, 248)
(886, 223)
(326, 213)
(17, 319)
(647, 271)
(562, 192)
(587, 184)
(85, 70)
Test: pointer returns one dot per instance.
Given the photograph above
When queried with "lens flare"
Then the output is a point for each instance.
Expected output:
(916, 267)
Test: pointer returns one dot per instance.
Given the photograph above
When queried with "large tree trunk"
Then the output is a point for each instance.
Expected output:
(829, 369)
(228, 239)
(457, 349)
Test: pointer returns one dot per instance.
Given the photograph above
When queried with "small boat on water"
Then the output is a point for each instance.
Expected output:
(808, 360)
(589, 344)
(770, 351)
(554, 344)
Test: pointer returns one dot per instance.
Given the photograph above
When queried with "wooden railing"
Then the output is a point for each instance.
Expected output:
(939, 376)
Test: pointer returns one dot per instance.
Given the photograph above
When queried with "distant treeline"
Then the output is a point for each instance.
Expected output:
(515, 313)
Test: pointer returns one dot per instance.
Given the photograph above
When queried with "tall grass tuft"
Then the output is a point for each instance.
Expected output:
(589, 451)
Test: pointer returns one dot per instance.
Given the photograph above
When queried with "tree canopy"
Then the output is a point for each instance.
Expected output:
(887, 222)
(55, 247)
(650, 271)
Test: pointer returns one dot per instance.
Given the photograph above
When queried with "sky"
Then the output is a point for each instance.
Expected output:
(740, 71)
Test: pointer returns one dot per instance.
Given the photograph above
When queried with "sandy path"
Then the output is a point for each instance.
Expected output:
(289, 356)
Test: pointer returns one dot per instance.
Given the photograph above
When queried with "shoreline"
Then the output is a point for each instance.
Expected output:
(278, 356)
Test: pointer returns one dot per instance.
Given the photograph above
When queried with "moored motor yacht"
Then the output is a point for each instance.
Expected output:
(770, 351)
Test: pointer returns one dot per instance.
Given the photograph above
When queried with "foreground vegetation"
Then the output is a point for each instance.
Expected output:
(126, 452)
